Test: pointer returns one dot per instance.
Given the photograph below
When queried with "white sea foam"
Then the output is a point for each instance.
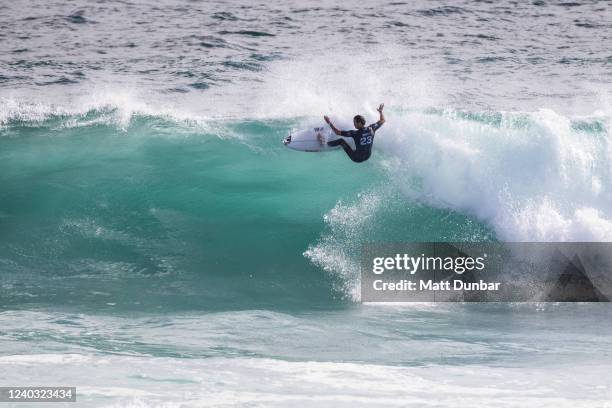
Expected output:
(42, 359)
(544, 180)
(338, 250)
(113, 104)
(225, 382)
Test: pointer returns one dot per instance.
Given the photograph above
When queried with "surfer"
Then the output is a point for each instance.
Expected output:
(363, 136)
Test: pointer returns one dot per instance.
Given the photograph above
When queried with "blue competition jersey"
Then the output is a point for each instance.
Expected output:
(363, 137)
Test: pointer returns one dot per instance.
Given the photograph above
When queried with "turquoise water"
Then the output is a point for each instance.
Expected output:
(163, 214)
(159, 246)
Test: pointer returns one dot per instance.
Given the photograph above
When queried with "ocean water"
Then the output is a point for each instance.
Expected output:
(159, 246)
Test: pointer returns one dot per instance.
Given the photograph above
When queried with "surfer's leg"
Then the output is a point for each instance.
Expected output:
(345, 146)
(354, 156)
(336, 142)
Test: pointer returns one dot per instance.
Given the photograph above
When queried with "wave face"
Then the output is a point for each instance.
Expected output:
(119, 208)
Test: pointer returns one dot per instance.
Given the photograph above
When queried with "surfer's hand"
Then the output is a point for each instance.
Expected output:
(381, 107)
(327, 119)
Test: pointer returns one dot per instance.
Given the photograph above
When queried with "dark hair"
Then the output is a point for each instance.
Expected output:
(359, 119)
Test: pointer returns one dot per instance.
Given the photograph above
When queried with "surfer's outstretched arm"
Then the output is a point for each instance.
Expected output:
(331, 125)
(382, 115)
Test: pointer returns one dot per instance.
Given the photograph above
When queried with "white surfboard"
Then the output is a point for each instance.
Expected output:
(307, 140)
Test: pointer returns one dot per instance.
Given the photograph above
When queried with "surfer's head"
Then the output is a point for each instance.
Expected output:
(359, 121)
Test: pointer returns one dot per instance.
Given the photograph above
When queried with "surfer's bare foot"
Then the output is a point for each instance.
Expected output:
(320, 139)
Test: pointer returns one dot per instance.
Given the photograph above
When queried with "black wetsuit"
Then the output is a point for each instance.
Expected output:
(363, 138)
